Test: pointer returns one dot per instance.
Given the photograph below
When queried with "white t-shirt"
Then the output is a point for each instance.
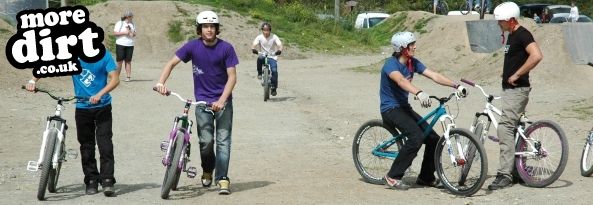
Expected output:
(269, 45)
(124, 40)
(574, 14)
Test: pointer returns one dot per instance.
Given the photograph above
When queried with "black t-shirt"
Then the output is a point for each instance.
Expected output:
(515, 56)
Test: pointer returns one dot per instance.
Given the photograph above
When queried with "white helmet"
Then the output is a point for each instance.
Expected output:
(401, 40)
(207, 17)
(506, 11)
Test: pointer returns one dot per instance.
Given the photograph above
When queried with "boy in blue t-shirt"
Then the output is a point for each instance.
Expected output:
(215, 76)
(94, 121)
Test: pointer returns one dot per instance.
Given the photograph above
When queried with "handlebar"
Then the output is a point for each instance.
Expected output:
(63, 99)
(197, 103)
(471, 83)
(442, 100)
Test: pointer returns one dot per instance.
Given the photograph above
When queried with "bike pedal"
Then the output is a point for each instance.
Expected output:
(192, 172)
(32, 166)
(164, 145)
(72, 154)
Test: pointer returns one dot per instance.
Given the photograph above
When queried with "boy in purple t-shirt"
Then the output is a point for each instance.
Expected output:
(215, 76)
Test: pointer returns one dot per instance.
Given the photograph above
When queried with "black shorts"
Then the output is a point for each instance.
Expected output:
(124, 53)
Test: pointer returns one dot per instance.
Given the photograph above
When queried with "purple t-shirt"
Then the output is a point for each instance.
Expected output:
(209, 65)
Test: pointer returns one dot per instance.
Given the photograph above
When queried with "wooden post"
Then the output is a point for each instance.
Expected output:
(337, 10)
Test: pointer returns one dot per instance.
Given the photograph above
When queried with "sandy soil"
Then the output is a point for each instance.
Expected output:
(296, 148)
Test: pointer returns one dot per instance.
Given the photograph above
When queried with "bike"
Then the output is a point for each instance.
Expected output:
(376, 145)
(587, 156)
(441, 7)
(541, 147)
(468, 6)
(177, 147)
(53, 147)
(266, 80)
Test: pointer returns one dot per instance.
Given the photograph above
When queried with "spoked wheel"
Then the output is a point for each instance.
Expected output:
(266, 83)
(544, 165)
(443, 8)
(466, 176)
(466, 8)
(46, 165)
(172, 172)
(587, 157)
(369, 136)
(54, 174)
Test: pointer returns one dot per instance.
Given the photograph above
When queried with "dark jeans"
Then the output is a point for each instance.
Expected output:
(215, 130)
(273, 66)
(405, 120)
(94, 128)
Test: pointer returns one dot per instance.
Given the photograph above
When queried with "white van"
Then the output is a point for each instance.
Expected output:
(368, 20)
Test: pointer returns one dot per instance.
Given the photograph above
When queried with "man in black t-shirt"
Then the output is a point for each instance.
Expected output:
(522, 54)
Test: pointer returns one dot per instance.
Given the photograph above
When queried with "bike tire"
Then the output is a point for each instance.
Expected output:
(172, 170)
(450, 174)
(528, 169)
(180, 133)
(465, 8)
(372, 168)
(443, 8)
(266, 85)
(587, 157)
(54, 174)
(471, 153)
(46, 165)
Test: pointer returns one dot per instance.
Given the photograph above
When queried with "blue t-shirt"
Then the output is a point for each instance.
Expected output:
(390, 93)
(209, 65)
(92, 79)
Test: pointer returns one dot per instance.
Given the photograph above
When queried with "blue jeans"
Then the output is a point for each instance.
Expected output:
(273, 66)
(222, 122)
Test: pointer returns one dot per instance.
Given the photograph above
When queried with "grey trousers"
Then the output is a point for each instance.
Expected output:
(514, 102)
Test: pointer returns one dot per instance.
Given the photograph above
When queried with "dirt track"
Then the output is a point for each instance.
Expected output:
(294, 149)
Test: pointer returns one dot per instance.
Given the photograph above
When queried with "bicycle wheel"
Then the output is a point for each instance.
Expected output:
(545, 166)
(463, 177)
(46, 165)
(465, 8)
(172, 171)
(471, 153)
(371, 167)
(178, 172)
(587, 157)
(266, 78)
(443, 8)
(54, 174)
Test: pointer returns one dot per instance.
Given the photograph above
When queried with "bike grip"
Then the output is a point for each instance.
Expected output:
(468, 82)
(168, 91)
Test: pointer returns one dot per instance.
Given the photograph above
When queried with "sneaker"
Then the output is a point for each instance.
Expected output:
(223, 186)
(206, 179)
(501, 182)
(274, 93)
(127, 79)
(395, 183)
(436, 183)
(259, 76)
(107, 185)
(92, 187)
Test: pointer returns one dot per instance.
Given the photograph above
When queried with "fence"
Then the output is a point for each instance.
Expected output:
(9, 8)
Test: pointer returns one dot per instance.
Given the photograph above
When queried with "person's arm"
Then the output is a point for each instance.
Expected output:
(31, 84)
(535, 56)
(118, 31)
(279, 43)
(112, 84)
(165, 74)
(403, 83)
(439, 78)
(228, 89)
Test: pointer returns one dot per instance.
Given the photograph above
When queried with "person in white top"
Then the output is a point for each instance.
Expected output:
(268, 43)
(125, 31)
(574, 13)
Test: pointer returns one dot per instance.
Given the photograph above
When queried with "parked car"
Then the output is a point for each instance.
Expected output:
(527, 10)
(552, 11)
(563, 17)
(368, 20)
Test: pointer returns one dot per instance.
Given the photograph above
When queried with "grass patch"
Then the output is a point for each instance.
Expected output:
(174, 32)
(374, 68)
(4, 31)
(420, 26)
(581, 110)
(109, 38)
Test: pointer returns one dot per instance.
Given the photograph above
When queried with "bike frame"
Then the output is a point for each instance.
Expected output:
(267, 66)
(438, 114)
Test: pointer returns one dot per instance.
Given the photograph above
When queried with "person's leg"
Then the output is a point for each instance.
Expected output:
(260, 62)
(85, 128)
(274, 67)
(428, 166)
(105, 144)
(224, 127)
(119, 56)
(513, 105)
(128, 61)
(205, 127)
(401, 119)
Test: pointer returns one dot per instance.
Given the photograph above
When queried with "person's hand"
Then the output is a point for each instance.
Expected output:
(461, 91)
(424, 99)
(94, 99)
(160, 88)
(278, 52)
(512, 80)
(254, 51)
(30, 86)
(218, 105)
